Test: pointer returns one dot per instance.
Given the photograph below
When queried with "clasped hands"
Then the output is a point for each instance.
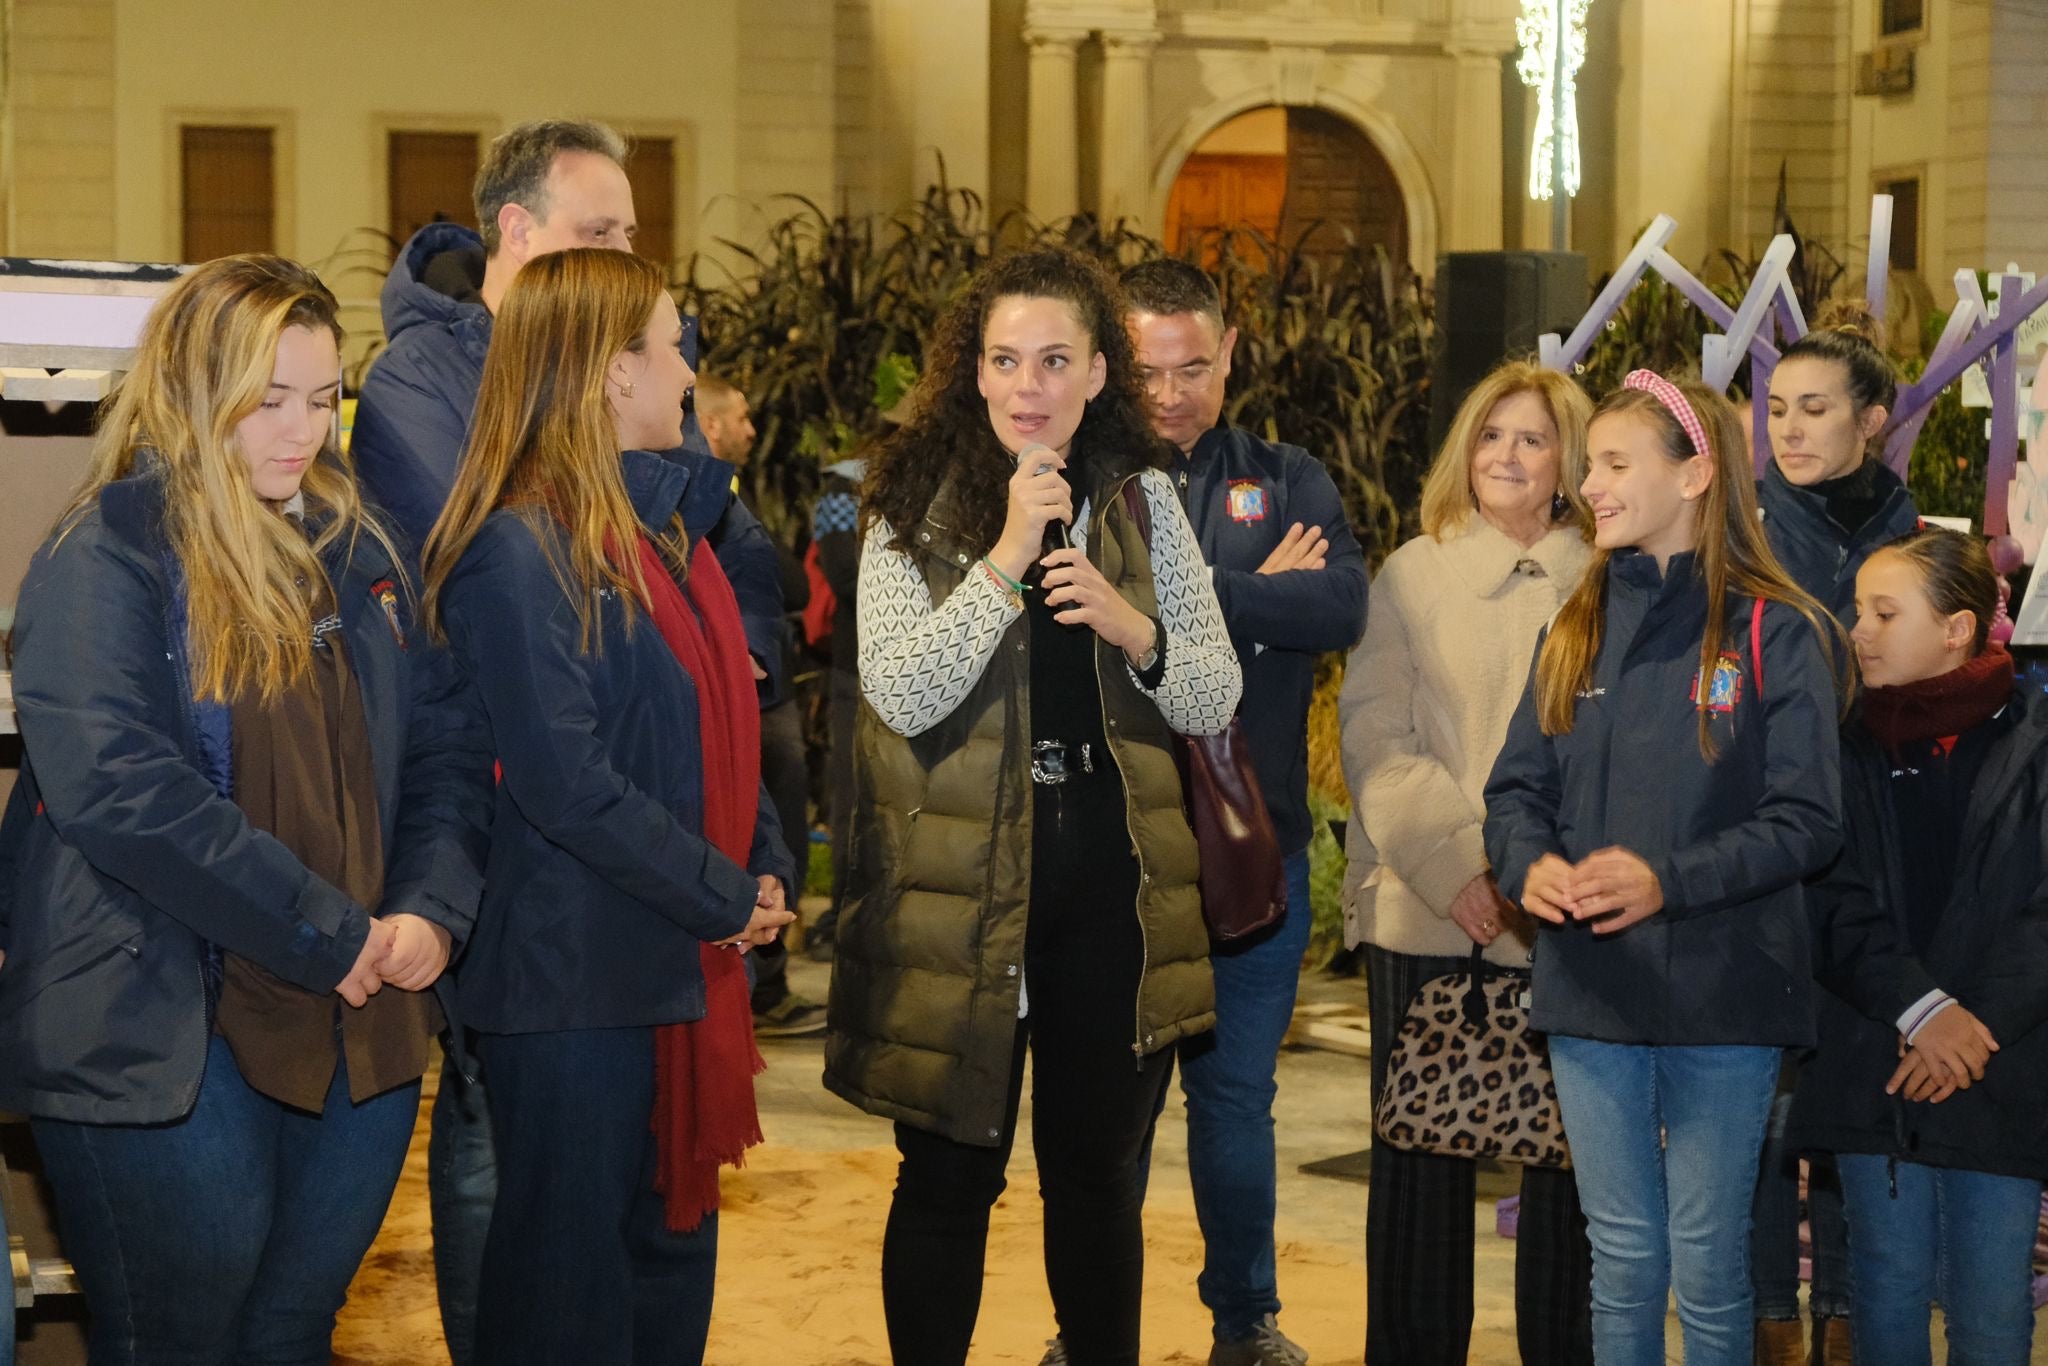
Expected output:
(403, 951)
(1948, 1054)
(768, 919)
(1611, 888)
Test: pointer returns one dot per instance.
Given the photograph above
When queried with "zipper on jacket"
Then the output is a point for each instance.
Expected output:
(181, 677)
(1138, 903)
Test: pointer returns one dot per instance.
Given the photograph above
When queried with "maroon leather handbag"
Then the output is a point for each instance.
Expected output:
(1243, 877)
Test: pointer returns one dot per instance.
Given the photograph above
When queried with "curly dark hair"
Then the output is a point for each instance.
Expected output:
(949, 432)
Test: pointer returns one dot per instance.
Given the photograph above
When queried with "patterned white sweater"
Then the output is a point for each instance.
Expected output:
(918, 663)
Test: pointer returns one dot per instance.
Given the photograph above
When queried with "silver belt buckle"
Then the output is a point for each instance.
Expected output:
(1055, 761)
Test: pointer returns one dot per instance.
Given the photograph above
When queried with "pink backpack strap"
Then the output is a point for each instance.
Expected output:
(1756, 645)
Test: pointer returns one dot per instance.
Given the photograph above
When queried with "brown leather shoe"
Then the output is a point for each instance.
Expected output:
(1832, 1345)
(1780, 1342)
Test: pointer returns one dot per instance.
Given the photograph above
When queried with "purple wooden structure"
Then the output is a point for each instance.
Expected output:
(1769, 314)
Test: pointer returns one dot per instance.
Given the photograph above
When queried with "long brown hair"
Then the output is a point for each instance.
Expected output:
(949, 434)
(543, 441)
(1732, 557)
(1447, 498)
(203, 364)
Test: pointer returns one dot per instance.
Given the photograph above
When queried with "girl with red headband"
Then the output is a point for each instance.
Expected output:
(1662, 795)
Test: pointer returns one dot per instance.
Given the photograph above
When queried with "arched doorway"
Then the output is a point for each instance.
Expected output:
(1293, 173)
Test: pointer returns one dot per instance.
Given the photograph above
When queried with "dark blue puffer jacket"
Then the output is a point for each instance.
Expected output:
(412, 418)
(124, 864)
(600, 885)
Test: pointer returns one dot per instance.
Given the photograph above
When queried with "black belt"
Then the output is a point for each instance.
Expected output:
(1053, 762)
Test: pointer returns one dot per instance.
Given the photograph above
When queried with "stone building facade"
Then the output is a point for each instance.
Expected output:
(1690, 107)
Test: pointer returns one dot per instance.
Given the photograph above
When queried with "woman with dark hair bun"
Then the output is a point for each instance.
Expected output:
(1930, 1085)
(1828, 502)
(1035, 622)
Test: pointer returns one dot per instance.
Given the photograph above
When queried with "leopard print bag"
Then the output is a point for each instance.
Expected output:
(1465, 1078)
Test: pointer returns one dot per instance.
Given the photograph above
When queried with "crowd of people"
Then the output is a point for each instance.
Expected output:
(487, 731)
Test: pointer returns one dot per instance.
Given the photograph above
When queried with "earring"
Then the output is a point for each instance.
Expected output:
(1559, 505)
(626, 389)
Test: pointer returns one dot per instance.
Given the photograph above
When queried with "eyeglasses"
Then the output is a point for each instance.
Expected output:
(1193, 378)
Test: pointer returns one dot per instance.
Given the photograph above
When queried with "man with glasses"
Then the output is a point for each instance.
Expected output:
(1292, 583)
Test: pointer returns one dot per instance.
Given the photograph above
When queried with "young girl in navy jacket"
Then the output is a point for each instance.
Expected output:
(1658, 803)
(1931, 1081)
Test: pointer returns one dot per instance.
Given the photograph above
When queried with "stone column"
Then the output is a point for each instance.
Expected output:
(1473, 220)
(1126, 133)
(1052, 185)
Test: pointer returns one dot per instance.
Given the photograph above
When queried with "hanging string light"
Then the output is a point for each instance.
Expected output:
(1553, 38)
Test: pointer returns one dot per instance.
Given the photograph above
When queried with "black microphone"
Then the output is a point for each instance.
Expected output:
(1055, 531)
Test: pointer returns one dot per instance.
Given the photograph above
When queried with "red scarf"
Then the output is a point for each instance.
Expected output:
(1947, 704)
(704, 1070)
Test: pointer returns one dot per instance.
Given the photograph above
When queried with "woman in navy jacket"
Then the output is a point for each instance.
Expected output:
(252, 796)
(1933, 939)
(1828, 501)
(631, 833)
(1657, 804)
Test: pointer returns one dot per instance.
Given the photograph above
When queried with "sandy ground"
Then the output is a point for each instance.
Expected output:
(800, 1254)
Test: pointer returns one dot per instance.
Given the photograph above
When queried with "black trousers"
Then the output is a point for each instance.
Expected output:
(1092, 1100)
(1419, 1230)
(788, 781)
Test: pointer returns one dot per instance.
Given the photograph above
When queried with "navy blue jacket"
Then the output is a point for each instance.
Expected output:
(1820, 553)
(1990, 952)
(600, 883)
(1727, 960)
(412, 419)
(1242, 494)
(126, 862)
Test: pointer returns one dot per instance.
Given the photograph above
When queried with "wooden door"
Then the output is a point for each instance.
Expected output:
(227, 192)
(651, 167)
(432, 178)
(1225, 190)
(1337, 180)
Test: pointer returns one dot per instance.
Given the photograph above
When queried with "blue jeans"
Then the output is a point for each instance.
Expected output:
(1673, 1215)
(1228, 1076)
(231, 1235)
(1965, 1239)
(462, 1182)
(580, 1265)
(1774, 1215)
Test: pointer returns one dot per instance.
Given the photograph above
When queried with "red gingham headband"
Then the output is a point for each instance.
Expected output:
(1667, 393)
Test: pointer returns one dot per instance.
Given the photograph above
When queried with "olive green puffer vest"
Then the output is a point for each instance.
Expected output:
(931, 940)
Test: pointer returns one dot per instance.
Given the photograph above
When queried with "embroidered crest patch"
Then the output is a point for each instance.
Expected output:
(1726, 688)
(386, 594)
(1247, 501)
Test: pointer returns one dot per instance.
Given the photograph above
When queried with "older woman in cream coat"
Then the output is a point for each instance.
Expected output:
(1427, 697)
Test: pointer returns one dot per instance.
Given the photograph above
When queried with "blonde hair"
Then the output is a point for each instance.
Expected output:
(1447, 498)
(543, 440)
(1732, 556)
(204, 363)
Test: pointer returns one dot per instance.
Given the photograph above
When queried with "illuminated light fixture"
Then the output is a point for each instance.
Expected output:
(1553, 38)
